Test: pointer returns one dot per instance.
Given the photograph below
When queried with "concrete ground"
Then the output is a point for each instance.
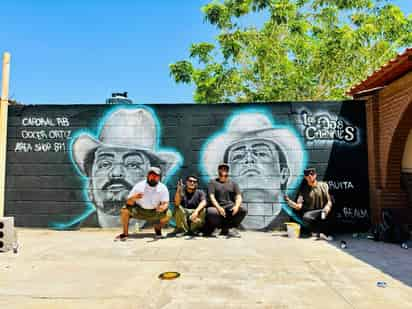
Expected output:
(87, 269)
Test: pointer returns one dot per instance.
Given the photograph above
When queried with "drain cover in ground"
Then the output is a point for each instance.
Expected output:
(169, 275)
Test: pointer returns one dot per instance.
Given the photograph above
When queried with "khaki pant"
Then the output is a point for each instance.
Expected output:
(182, 218)
(149, 215)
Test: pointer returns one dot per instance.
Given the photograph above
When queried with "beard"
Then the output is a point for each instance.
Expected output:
(152, 183)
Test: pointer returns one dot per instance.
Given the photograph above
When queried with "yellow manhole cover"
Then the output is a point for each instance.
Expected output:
(169, 275)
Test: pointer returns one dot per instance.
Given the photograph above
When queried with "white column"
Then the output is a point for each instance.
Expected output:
(4, 103)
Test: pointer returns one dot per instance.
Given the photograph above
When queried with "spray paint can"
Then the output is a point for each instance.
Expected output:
(137, 227)
(381, 284)
(15, 243)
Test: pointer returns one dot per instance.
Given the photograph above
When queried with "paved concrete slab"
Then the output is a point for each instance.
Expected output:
(87, 269)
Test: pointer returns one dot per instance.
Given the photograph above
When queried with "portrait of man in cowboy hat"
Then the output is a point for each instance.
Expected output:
(264, 160)
(118, 157)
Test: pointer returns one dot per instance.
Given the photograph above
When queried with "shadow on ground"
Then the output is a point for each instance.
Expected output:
(389, 258)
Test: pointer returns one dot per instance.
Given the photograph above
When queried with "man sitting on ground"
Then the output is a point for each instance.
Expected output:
(314, 202)
(190, 203)
(149, 201)
(227, 212)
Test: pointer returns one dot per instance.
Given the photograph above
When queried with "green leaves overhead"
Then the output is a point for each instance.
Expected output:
(202, 51)
(304, 49)
(182, 71)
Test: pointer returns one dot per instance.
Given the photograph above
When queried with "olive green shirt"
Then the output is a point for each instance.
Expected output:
(315, 197)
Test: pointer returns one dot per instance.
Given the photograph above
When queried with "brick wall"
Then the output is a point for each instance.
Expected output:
(389, 121)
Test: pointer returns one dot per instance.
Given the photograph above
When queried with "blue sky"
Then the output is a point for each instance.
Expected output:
(80, 51)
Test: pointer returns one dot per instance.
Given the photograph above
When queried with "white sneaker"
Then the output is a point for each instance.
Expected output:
(326, 237)
(315, 236)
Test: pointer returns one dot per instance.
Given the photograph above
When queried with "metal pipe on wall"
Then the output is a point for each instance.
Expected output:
(3, 127)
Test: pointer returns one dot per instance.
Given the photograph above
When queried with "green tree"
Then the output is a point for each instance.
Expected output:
(305, 50)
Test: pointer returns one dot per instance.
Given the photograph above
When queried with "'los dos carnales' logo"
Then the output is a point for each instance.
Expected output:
(328, 127)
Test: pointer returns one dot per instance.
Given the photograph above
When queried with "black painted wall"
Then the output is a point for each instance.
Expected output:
(53, 179)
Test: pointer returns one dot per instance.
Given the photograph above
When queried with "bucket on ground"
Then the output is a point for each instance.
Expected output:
(293, 229)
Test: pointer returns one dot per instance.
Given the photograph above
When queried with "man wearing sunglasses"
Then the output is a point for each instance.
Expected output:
(226, 211)
(149, 201)
(190, 203)
(314, 203)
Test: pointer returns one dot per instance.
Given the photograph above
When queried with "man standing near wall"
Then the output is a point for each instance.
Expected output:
(149, 201)
(190, 203)
(227, 212)
(314, 202)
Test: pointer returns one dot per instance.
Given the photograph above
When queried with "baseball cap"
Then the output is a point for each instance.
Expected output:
(223, 165)
(155, 170)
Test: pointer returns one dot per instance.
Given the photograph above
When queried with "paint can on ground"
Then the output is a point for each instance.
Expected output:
(293, 229)
(381, 284)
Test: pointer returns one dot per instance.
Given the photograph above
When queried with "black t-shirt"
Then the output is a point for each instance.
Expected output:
(225, 192)
(192, 200)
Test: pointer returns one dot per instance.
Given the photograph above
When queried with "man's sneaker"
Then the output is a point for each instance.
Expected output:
(210, 235)
(233, 233)
(325, 237)
(224, 232)
(190, 235)
(176, 233)
(315, 236)
(121, 237)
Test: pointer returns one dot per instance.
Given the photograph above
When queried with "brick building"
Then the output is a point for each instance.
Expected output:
(388, 96)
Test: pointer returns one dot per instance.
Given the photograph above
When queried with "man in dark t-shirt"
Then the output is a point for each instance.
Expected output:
(226, 211)
(190, 203)
(314, 203)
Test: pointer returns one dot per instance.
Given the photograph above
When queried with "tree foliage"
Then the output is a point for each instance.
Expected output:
(305, 49)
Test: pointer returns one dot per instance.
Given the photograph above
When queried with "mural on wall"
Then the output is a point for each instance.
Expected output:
(324, 126)
(264, 160)
(113, 162)
(73, 165)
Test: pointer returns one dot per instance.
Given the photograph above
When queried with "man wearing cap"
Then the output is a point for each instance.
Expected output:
(314, 204)
(119, 157)
(226, 211)
(149, 201)
(190, 203)
(265, 160)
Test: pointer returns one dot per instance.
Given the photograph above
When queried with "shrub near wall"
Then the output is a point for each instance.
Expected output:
(73, 165)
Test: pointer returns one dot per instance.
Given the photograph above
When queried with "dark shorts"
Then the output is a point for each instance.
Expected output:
(150, 215)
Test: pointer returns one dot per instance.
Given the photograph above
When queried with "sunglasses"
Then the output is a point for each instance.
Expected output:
(192, 181)
(309, 173)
